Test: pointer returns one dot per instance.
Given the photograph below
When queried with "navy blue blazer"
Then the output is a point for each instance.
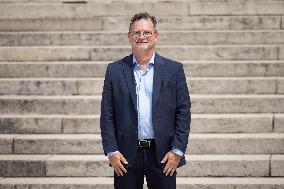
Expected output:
(170, 107)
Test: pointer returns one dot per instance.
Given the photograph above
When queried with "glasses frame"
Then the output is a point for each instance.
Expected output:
(146, 34)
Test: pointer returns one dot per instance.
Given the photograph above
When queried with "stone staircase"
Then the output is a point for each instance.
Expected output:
(53, 57)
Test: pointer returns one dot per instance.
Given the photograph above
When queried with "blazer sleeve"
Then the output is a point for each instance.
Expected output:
(107, 115)
(182, 112)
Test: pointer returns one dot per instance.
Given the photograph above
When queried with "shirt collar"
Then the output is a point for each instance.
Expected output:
(151, 60)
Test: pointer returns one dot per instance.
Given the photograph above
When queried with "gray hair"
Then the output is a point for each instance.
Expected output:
(143, 15)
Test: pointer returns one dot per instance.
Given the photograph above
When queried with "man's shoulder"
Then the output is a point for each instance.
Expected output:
(115, 63)
(171, 63)
(120, 61)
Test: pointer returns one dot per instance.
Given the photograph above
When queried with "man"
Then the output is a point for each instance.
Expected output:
(145, 112)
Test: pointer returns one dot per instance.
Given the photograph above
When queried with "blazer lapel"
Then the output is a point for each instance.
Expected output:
(158, 78)
(130, 79)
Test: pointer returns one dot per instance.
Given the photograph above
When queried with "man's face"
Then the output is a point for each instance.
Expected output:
(142, 35)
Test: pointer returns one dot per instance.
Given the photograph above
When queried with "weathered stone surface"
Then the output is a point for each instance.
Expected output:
(282, 23)
(225, 165)
(277, 165)
(114, 53)
(279, 123)
(56, 69)
(107, 183)
(6, 144)
(236, 144)
(101, 54)
(235, 123)
(201, 23)
(220, 38)
(43, 53)
(195, 53)
(89, 124)
(75, 24)
(57, 183)
(233, 69)
(81, 125)
(237, 104)
(280, 86)
(91, 104)
(63, 38)
(120, 38)
(231, 86)
(198, 144)
(89, 10)
(46, 87)
(205, 165)
(220, 53)
(15, 125)
(237, 8)
(78, 166)
(51, 105)
(49, 125)
(95, 86)
(22, 165)
(97, 69)
(62, 144)
(122, 23)
(281, 53)
(51, 87)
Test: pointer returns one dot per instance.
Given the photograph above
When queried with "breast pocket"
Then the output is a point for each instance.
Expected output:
(165, 87)
(165, 97)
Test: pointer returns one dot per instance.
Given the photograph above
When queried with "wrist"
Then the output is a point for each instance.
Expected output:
(177, 151)
(110, 154)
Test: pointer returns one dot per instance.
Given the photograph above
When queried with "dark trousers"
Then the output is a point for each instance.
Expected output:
(145, 164)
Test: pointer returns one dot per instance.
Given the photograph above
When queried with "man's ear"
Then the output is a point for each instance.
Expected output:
(157, 36)
(129, 35)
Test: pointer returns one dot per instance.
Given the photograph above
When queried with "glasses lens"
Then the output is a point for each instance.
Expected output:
(145, 34)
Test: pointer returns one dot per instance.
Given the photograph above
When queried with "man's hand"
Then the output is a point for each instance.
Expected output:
(172, 160)
(115, 161)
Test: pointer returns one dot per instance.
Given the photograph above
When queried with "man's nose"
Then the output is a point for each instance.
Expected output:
(141, 36)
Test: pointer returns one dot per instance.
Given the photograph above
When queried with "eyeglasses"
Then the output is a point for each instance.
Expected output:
(146, 34)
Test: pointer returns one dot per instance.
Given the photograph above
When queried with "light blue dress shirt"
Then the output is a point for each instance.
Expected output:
(144, 91)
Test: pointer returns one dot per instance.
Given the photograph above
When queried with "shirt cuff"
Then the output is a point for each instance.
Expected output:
(177, 151)
(109, 154)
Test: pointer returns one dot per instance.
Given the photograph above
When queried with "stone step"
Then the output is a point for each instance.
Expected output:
(94, 86)
(277, 165)
(97, 165)
(109, 23)
(97, 69)
(224, 22)
(89, 10)
(218, 104)
(236, 7)
(107, 53)
(6, 144)
(244, 143)
(107, 183)
(169, 8)
(279, 123)
(120, 38)
(89, 124)
(125, 1)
